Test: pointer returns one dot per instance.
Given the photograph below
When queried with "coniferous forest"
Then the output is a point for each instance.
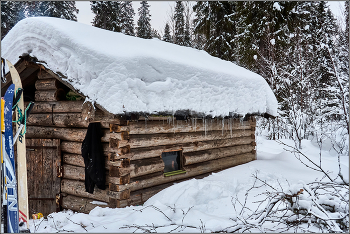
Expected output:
(298, 47)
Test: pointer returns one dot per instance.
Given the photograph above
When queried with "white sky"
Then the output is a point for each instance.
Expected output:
(159, 11)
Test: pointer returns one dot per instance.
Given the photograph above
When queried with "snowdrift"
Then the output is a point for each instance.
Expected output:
(129, 74)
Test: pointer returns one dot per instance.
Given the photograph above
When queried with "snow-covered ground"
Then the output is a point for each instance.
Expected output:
(205, 205)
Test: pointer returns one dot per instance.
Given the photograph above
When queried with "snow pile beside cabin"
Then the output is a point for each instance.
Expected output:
(129, 74)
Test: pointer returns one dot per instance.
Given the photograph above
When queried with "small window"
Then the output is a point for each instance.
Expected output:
(172, 163)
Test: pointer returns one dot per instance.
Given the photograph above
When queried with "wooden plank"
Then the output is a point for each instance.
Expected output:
(68, 134)
(73, 172)
(77, 188)
(49, 95)
(148, 140)
(211, 154)
(48, 84)
(153, 127)
(154, 151)
(43, 157)
(78, 160)
(42, 74)
(81, 204)
(57, 107)
(58, 120)
(73, 147)
(191, 171)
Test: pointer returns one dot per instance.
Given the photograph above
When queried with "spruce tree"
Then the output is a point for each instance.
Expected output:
(215, 21)
(107, 15)
(127, 18)
(179, 35)
(59, 9)
(187, 37)
(144, 29)
(11, 13)
(166, 36)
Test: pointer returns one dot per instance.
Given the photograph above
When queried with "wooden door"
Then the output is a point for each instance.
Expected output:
(44, 175)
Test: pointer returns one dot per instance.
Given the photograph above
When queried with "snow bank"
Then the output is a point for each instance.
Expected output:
(124, 73)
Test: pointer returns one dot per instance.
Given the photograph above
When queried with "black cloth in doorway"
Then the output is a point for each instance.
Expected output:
(94, 159)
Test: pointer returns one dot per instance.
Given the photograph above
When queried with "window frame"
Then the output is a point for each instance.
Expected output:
(181, 164)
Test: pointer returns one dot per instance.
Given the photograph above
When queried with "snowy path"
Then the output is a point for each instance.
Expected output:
(203, 205)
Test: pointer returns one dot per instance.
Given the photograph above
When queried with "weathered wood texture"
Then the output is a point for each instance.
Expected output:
(69, 134)
(48, 84)
(78, 160)
(77, 188)
(191, 171)
(118, 140)
(43, 160)
(80, 204)
(49, 95)
(57, 107)
(175, 126)
(154, 151)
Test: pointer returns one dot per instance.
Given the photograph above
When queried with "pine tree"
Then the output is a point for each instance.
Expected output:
(155, 34)
(144, 29)
(166, 36)
(215, 21)
(107, 15)
(179, 35)
(127, 18)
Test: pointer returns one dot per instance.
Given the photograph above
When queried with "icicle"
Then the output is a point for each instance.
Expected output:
(145, 123)
(205, 127)
(195, 124)
(231, 126)
(223, 126)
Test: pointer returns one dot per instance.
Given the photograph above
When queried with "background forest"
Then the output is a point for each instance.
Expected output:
(297, 46)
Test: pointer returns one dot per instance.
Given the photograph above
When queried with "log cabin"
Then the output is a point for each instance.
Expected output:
(151, 137)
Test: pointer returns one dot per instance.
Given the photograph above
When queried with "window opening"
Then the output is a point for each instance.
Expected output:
(172, 163)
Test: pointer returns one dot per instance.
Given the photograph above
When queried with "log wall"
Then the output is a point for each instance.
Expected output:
(133, 149)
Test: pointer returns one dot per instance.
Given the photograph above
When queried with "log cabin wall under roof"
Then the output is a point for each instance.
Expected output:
(132, 147)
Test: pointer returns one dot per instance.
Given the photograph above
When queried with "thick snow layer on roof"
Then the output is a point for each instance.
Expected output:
(129, 74)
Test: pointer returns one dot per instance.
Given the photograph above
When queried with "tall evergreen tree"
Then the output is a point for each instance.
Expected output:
(187, 36)
(107, 15)
(166, 36)
(144, 29)
(60, 9)
(215, 21)
(14, 11)
(127, 18)
(11, 13)
(179, 35)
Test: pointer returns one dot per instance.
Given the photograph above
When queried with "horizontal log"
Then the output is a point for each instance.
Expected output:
(151, 165)
(139, 197)
(156, 151)
(73, 172)
(77, 188)
(139, 141)
(81, 204)
(191, 171)
(69, 134)
(78, 160)
(211, 154)
(122, 180)
(57, 120)
(49, 95)
(57, 107)
(44, 75)
(48, 84)
(152, 127)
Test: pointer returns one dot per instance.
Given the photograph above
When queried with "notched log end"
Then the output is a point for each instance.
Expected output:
(88, 112)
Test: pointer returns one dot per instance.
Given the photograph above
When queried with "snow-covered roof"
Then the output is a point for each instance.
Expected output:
(129, 74)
